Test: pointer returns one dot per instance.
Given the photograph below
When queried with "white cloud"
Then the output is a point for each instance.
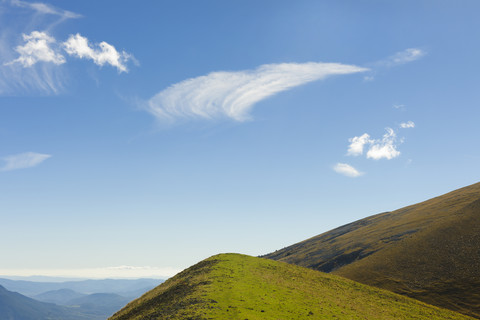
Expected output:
(357, 143)
(78, 46)
(347, 170)
(233, 94)
(23, 160)
(125, 272)
(403, 57)
(36, 62)
(44, 8)
(37, 49)
(384, 148)
(399, 106)
(408, 124)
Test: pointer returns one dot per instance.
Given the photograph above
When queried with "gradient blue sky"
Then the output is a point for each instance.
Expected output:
(139, 138)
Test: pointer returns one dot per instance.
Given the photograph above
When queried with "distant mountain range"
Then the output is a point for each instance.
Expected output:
(123, 287)
(429, 251)
(14, 306)
(96, 299)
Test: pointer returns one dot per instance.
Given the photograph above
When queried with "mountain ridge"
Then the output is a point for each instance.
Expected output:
(429, 251)
(234, 286)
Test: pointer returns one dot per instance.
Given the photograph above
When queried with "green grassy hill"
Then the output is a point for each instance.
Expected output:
(233, 286)
(429, 251)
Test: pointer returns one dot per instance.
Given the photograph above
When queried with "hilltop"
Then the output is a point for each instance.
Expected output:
(429, 251)
(234, 286)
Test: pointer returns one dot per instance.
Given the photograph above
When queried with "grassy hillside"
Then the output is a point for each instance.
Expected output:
(429, 251)
(233, 286)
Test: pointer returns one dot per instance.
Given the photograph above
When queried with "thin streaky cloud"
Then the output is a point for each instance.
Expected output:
(408, 124)
(402, 57)
(23, 160)
(44, 8)
(234, 94)
(347, 170)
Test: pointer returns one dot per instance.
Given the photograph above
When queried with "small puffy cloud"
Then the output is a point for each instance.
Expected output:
(384, 148)
(399, 106)
(23, 160)
(233, 94)
(44, 8)
(37, 49)
(357, 143)
(347, 170)
(408, 124)
(105, 53)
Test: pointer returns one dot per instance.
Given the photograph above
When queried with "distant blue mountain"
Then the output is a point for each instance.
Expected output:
(124, 287)
(14, 306)
(60, 297)
(70, 300)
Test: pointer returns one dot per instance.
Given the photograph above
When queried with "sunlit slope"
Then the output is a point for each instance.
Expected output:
(233, 286)
(429, 251)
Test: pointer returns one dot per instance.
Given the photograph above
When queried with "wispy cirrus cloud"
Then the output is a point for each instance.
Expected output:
(23, 161)
(34, 61)
(347, 170)
(398, 58)
(44, 8)
(30, 62)
(234, 94)
(405, 56)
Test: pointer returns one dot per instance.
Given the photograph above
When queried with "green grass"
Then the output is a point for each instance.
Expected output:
(233, 286)
(429, 251)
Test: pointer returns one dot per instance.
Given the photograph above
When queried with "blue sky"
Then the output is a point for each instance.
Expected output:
(138, 139)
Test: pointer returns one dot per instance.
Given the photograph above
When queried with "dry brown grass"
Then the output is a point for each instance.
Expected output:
(429, 251)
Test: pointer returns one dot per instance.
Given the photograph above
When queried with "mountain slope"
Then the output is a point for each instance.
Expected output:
(233, 286)
(14, 306)
(429, 251)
